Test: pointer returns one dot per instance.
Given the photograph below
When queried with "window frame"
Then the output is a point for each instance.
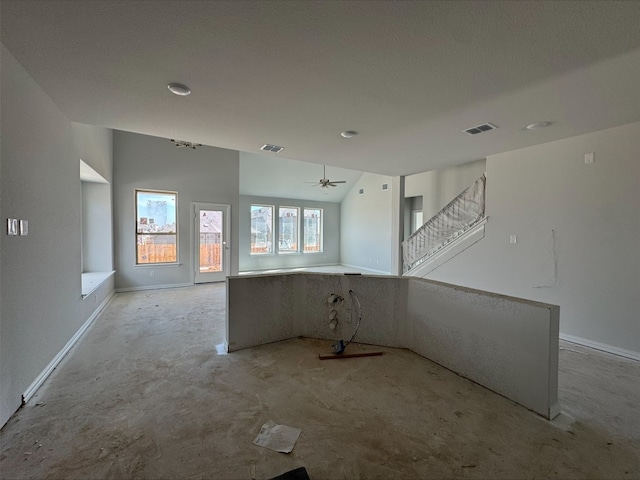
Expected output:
(137, 234)
(320, 233)
(273, 211)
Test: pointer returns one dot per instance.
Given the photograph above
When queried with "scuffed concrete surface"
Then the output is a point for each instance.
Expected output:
(145, 395)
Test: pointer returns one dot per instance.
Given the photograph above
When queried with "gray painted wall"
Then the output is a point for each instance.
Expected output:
(331, 241)
(40, 292)
(97, 226)
(366, 224)
(95, 147)
(208, 175)
(594, 210)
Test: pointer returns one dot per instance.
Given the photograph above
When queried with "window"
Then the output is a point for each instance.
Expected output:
(288, 229)
(156, 227)
(261, 229)
(312, 230)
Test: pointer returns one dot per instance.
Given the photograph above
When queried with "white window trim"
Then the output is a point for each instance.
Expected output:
(135, 220)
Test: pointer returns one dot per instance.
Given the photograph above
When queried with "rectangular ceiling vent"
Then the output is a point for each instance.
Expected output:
(361, 191)
(385, 186)
(485, 127)
(272, 148)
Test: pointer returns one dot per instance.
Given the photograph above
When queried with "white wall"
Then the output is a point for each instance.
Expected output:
(366, 224)
(207, 174)
(594, 212)
(438, 187)
(331, 235)
(41, 307)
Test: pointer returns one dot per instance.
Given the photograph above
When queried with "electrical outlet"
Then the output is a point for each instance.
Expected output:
(152, 273)
(589, 157)
(12, 226)
(513, 239)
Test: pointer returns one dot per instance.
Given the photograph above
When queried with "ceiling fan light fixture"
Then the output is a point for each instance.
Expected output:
(324, 183)
(179, 89)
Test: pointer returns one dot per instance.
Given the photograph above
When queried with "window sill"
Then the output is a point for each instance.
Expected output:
(92, 280)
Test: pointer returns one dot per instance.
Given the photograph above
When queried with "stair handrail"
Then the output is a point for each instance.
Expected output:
(458, 216)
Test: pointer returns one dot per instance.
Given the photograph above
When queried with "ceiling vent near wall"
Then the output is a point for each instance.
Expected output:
(485, 127)
(272, 148)
(385, 186)
(361, 191)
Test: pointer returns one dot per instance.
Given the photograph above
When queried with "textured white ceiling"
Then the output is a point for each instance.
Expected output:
(409, 76)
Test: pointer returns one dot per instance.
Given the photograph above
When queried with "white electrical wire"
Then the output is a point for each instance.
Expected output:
(359, 317)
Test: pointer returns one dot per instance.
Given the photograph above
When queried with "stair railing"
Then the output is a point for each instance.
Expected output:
(458, 216)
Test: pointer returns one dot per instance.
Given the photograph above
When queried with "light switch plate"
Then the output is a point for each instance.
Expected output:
(12, 226)
(24, 227)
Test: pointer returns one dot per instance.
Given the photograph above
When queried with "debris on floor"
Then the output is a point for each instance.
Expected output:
(337, 356)
(299, 473)
(280, 438)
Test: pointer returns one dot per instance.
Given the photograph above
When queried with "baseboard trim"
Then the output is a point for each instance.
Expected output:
(621, 352)
(40, 379)
(153, 287)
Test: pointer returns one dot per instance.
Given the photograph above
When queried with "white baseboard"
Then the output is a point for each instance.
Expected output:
(621, 352)
(35, 385)
(153, 287)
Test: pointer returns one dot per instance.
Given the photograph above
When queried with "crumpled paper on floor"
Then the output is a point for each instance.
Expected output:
(280, 438)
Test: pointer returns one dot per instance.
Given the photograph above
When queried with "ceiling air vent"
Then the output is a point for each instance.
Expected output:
(272, 148)
(361, 191)
(485, 127)
(385, 186)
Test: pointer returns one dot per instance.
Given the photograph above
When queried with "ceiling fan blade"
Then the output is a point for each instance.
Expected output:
(338, 181)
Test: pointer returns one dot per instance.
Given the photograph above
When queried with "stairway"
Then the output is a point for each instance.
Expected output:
(453, 229)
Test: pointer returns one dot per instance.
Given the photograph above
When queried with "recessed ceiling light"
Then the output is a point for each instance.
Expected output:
(179, 89)
(349, 134)
(534, 126)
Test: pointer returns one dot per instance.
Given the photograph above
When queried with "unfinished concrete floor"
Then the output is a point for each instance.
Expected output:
(145, 395)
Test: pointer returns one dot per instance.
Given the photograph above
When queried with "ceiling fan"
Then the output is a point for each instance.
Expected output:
(324, 182)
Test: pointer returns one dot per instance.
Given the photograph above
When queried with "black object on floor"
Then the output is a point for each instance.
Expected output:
(299, 473)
